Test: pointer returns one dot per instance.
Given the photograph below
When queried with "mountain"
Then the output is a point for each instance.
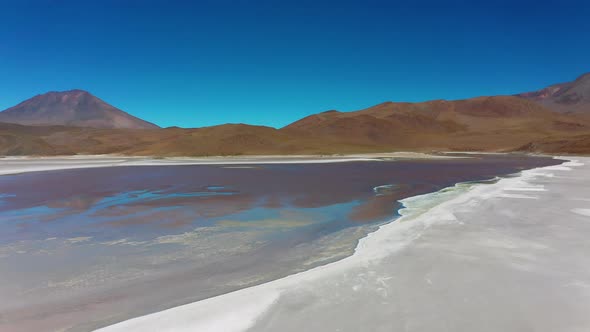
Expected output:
(554, 120)
(71, 108)
(572, 97)
(228, 139)
(502, 123)
(497, 123)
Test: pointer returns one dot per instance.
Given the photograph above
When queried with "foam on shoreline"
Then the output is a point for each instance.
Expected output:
(239, 310)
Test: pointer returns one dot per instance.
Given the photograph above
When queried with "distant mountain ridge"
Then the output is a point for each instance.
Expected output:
(71, 108)
(553, 120)
(564, 97)
(482, 123)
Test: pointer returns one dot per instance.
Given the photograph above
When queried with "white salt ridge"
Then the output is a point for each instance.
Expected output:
(526, 188)
(567, 166)
(16, 165)
(583, 212)
(214, 314)
(378, 190)
(575, 163)
(517, 196)
(25, 165)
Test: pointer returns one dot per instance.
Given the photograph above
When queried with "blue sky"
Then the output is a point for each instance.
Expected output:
(199, 63)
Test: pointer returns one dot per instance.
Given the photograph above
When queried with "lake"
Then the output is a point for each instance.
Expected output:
(85, 248)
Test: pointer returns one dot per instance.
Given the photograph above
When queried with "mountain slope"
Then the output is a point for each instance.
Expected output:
(529, 122)
(573, 97)
(484, 123)
(229, 139)
(71, 108)
(501, 123)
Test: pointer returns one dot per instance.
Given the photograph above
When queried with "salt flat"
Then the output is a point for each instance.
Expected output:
(15, 165)
(508, 256)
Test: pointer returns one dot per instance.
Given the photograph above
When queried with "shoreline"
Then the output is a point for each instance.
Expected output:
(234, 311)
(25, 164)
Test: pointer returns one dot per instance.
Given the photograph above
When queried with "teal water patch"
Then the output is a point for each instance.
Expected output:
(315, 215)
(36, 213)
(131, 197)
(29, 217)
(4, 196)
(116, 210)
(215, 188)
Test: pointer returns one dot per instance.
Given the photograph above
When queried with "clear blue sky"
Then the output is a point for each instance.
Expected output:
(198, 63)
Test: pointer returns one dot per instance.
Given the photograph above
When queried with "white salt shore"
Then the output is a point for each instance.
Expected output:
(15, 165)
(508, 256)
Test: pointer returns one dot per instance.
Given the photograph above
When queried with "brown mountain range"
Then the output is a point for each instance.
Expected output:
(71, 108)
(501, 123)
(526, 122)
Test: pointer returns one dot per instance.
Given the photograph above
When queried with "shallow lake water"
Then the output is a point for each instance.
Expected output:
(84, 248)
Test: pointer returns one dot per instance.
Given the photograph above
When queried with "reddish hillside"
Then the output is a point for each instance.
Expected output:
(485, 123)
(501, 123)
(71, 108)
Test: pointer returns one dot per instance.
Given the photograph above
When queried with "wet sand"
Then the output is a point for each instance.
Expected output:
(84, 248)
(508, 256)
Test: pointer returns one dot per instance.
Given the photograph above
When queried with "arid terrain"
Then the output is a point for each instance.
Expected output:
(554, 119)
(72, 108)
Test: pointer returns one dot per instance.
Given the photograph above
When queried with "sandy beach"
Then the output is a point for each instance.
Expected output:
(509, 256)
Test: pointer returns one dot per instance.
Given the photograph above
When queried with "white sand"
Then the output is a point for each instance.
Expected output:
(15, 165)
(476, 258)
